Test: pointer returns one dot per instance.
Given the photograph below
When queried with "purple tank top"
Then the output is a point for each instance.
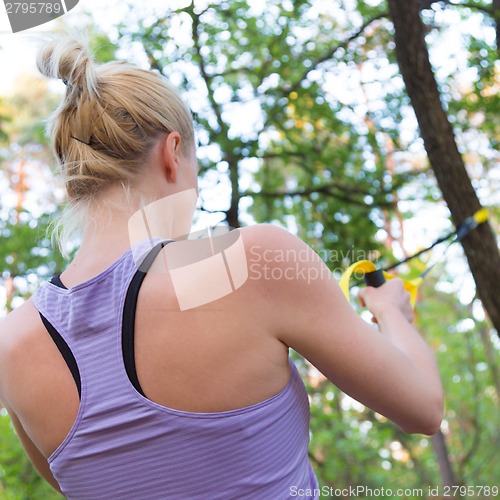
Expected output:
(124, 446)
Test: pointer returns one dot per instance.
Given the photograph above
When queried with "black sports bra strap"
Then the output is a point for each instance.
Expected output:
(147, 262)
(65, 352)
(56, 280)
(129, 307)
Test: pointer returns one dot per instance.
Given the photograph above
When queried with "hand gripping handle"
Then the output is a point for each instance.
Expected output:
(376, 277)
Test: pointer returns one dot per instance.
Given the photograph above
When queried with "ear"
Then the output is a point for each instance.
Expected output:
(172, 155)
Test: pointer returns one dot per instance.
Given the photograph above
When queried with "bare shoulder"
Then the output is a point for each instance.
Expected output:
(19, 331)
(293, 285)
(28, 359)
(282, 260)
(20, 321)
(21, 348)
(275, 246)
(268, 235)
(15, 328)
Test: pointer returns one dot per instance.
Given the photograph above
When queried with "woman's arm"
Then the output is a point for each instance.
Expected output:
(7, 348)
(37, 459)
(393, 372)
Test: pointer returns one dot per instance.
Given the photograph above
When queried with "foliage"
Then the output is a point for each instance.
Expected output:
(18, 479)
(305, 148)
(469, 369)
(3, 120)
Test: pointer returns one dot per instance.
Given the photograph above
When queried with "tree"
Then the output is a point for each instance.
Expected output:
(480, 246)
(300, 148)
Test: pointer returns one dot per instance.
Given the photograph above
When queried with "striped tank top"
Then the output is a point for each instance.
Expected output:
(124, 446)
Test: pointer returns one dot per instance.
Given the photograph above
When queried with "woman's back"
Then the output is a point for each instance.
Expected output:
(219, 389)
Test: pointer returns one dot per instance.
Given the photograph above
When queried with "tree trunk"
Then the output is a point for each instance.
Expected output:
(233, 213)
(443, 459)
(480, 245)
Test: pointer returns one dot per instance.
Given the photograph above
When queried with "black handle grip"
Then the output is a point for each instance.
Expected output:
(374, 278)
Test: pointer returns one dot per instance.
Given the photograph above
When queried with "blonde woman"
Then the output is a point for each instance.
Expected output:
(116, 392)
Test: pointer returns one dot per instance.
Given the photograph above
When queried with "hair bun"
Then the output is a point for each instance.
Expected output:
(69, 59)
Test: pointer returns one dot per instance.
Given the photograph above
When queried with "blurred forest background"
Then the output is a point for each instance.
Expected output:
(304, 119)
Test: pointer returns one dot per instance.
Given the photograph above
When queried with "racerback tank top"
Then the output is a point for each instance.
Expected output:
(124, 446)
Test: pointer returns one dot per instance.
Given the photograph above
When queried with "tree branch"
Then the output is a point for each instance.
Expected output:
(327, 189)
(207, 211)
(203, 70)
(153, 62)
(232, 214)
(427, 4)
(473, 6)
(493, 11)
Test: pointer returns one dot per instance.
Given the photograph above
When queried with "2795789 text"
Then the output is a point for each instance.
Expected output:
(365, 492)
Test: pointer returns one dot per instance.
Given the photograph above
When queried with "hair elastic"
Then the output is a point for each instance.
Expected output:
(79, 140)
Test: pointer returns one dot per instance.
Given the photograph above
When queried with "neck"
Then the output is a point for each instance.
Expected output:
(105, 237)
(118, 223)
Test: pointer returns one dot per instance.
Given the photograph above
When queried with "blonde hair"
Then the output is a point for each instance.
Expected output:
(106, 125)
